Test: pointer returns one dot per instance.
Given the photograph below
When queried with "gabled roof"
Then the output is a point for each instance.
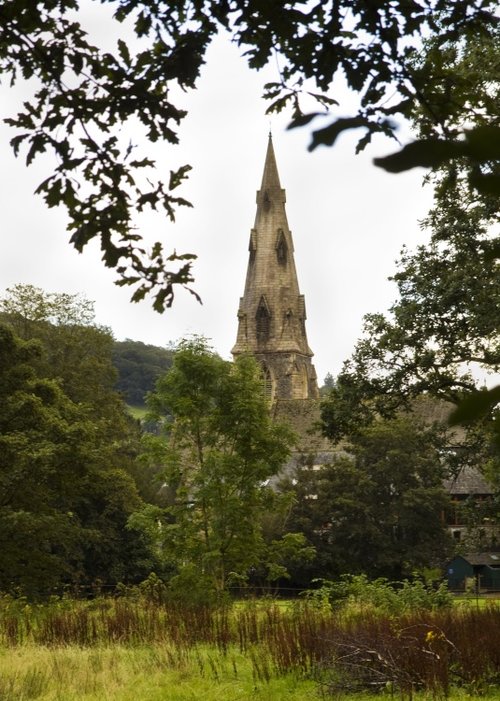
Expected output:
(469, 481)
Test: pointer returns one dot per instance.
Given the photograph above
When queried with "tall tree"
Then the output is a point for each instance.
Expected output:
(68, 449)
(219, 447)
(441, 335)
(39, 541)
(79, 355)
(377, 510)
(84, 95)
(64, 502)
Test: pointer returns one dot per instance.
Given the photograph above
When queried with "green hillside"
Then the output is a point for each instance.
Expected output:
(138, 365)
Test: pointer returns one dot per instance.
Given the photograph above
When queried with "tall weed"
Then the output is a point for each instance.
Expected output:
(372, 638)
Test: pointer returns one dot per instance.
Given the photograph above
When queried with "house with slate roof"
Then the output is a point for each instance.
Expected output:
(470, 488)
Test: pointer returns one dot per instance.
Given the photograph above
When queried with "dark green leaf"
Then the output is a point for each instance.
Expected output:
(483, 143)
(475, 406)
(485, 184)
(302, 119)
(328, 135)
(123, 51)
(429, 153)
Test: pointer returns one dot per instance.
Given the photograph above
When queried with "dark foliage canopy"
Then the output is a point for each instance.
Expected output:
(67, 449)
(378, 509)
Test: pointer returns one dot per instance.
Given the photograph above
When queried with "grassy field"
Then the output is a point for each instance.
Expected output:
(138, 673)
(148, 673)
(139, 650)
(138, 412)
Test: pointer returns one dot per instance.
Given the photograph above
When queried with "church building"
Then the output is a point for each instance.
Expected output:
(272, 312)
(272, 318)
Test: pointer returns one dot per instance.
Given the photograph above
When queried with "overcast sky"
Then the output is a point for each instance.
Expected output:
(349, 221)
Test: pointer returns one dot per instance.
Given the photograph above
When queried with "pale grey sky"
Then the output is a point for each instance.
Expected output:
(349, 221)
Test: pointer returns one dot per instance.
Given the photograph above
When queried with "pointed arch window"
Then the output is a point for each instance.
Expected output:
(281, 248)
(263, 320)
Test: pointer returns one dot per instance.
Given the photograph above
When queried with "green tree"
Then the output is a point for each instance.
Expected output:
(328, 384)
(84, 96)
(441, 334)
(78, 355)
(219, 448)
(77, 352)
(40, 542)
(63, 506)
(64, 498)
(69, 449)
(438, 337)
(28, 308)
(377, 510)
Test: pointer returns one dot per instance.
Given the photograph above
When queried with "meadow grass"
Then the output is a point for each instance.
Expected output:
(146, 673)
(139, 673)
(134, 649)
(154, 673)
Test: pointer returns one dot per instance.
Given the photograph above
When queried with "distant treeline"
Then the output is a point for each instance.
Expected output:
(139, 365)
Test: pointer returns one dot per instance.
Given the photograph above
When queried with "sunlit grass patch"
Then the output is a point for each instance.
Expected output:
(138, 412)
(146, 673)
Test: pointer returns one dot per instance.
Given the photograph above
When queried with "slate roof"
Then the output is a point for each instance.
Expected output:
(490, 559)
(468, 481)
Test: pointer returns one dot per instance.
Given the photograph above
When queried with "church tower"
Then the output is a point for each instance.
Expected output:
(272, 313)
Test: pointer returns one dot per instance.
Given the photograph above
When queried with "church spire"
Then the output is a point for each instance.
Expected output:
(272, 311)
(270, 176)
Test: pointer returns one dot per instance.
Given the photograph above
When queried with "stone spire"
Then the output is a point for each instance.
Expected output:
(272, 311)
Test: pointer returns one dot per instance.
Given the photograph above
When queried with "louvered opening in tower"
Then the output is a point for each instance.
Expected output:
(263, 320)
(267, 382)
(281, 248)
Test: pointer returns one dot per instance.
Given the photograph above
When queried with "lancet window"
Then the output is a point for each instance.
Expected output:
(281, 248)
(263, 319)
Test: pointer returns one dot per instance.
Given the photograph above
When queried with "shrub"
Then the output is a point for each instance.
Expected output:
(356, 592)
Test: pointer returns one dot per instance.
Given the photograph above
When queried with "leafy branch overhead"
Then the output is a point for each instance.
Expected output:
(441, 334)
(85, 99)
(480, 146)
